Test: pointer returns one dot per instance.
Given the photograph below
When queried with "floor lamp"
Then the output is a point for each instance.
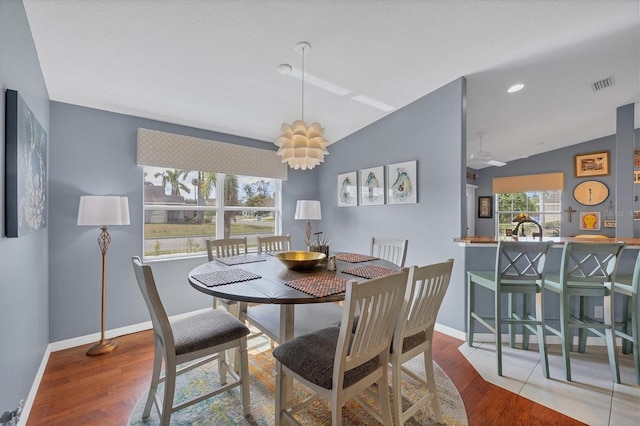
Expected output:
(308, 210)
(103, 211)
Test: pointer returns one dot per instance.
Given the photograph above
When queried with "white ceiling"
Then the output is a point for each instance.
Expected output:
(213, 64)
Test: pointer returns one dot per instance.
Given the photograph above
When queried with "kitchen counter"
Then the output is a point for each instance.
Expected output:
(490, 241)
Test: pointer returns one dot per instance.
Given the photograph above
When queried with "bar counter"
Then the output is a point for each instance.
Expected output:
(480, 255)
(490, 241)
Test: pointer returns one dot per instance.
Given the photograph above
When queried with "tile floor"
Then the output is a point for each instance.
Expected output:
(591, 396)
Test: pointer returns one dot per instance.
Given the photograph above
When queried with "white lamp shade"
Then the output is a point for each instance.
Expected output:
(308, 210)
(103, 210)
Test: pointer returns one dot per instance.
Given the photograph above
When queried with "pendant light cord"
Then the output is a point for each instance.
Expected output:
(303, 50)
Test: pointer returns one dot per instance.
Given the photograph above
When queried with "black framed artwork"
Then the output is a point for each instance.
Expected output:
(26, 169)
(485, 207)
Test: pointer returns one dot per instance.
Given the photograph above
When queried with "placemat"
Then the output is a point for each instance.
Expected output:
(319, 285)
(354, 257)
(369, 271)
(243, 258)
(216, 278)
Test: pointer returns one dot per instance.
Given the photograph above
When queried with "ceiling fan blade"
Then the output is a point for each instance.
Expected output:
(496, 163)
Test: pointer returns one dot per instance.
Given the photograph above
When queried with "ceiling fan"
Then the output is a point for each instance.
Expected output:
(484, 158)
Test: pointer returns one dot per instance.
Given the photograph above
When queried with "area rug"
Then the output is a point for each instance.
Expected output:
(226, 408)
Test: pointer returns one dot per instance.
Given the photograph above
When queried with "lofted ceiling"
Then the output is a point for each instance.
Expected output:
(214, 64)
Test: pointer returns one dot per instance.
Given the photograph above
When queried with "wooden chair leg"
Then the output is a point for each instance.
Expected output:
(498, 327)
(336, 409)
(383, 398)
(582, 332)
(431, 385)
(565, 335)
(244, 377)
(169, 390)
(155, 380)
(281, 393)
(396, 384)
(610, 338)
(470, 310)
(510, 314)
(542, 341)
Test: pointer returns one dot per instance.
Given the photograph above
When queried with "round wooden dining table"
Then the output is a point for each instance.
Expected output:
(284, 312)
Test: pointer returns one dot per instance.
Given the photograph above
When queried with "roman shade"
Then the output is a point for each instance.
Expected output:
(162, 149)
(539, 182)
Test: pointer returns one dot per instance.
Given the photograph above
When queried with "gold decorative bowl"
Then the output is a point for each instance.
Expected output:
(300, 260)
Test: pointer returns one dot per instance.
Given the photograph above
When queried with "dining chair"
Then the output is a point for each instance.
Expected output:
(585, 268)
(426, 287)
(202, 338)
(274, 243)
(627, 285)
(226, 247)
(519, 269)
(337, 364)
(389, 249)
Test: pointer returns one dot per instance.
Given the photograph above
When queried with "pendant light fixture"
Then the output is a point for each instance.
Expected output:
(302, 146)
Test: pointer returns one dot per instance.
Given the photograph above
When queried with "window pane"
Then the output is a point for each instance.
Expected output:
(181, 209)
(544, 207)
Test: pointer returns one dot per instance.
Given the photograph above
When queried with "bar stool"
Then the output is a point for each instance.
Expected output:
(519, 269)
(585, 268)
(628, 286)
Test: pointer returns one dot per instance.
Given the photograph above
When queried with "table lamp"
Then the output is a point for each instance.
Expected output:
(102, 211)
(308, 210)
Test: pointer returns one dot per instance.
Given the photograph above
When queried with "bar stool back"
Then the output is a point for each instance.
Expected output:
(519, 269)
(584, 270)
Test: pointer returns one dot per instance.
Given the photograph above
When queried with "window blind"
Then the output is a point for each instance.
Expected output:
(539, 182)
(162, 149)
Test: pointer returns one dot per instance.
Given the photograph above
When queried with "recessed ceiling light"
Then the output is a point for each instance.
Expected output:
(515, 88)
(284, 69)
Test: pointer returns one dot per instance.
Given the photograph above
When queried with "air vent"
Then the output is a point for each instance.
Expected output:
(602, 84)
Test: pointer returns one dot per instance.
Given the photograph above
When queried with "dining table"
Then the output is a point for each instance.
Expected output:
(286, 303)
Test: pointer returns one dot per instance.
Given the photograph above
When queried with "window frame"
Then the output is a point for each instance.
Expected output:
(542, 212)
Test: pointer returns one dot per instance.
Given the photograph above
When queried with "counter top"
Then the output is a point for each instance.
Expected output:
(493, 241)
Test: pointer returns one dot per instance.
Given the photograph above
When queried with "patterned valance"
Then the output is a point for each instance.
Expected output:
(540, 182)
(161, 149)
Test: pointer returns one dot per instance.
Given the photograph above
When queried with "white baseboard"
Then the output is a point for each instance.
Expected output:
(79, 341)
(460, 335)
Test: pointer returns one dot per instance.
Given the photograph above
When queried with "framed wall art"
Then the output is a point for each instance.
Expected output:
(26, 169)
(485, 207)
(589, 221)
(402, 183)
(371, 186)
(347, 190)
(592, 164)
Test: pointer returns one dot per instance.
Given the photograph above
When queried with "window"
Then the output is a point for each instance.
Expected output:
(183, 208)
(542, 206)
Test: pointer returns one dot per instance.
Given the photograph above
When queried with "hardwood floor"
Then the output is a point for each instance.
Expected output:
(81, 390)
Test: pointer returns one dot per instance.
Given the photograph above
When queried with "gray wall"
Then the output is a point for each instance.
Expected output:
(24, 313)
(561, 160)
(432, 131)
(94, 152)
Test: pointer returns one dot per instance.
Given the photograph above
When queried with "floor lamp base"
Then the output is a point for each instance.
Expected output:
(102, 347)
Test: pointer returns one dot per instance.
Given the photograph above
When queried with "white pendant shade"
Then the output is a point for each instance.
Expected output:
(103, 210)
(302, 146)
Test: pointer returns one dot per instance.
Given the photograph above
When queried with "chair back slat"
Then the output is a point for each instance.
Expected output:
(226, 247)
(521, 261)
(584, 262)
(274, 243)
(389, 249)
(377, 304)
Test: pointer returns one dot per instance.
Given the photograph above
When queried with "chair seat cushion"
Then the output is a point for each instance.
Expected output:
(311, 356)
(206, 329)
(411, 342)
